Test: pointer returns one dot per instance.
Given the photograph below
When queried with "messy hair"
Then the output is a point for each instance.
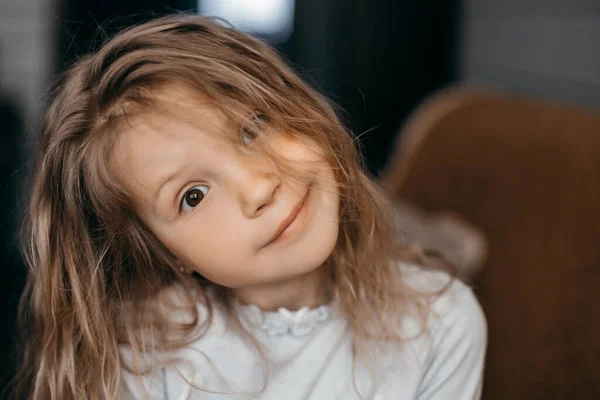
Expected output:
(95, 270)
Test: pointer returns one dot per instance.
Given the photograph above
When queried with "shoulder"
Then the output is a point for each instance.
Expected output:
(145, 373)
(458, 331)
(453, 303)
(458, 319)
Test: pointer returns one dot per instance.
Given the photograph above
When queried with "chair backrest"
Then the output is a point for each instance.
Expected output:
(527, 173)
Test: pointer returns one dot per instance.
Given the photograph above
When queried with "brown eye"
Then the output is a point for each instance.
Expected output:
(251, 131)
(193, 197)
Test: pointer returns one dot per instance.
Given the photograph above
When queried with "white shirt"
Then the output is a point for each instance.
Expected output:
(308, 353)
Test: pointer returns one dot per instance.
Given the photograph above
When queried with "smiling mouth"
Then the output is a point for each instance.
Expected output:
(289, 219)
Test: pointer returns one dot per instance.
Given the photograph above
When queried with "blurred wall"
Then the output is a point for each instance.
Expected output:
(27, 47)
(85, 24)
(376, 59)
(547, 48)
(27, 37)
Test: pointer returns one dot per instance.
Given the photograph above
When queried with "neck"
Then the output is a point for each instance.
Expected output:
(301, 291)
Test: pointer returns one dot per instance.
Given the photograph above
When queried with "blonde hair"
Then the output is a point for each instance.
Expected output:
(95, 269)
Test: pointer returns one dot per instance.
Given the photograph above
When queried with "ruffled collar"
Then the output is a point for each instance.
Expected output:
(283, 321)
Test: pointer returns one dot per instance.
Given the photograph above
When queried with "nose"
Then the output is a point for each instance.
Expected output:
(257, 187)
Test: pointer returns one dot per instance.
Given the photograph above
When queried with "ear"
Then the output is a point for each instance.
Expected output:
(181, 268)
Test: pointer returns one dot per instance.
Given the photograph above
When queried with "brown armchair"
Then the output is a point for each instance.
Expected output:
(527, 174)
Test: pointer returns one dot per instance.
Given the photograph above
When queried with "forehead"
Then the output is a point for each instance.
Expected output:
(152, 143)
(178, 114)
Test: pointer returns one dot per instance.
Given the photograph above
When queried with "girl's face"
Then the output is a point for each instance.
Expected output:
(222, 207)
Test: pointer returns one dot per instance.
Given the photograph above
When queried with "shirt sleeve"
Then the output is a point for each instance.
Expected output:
(455, 368)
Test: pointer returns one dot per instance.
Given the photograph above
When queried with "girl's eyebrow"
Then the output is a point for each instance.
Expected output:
(169, 178)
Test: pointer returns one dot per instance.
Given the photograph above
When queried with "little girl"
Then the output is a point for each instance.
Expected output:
(200, 227)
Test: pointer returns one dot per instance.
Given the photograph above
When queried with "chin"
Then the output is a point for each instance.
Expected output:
(303, 261)
(279, 270)
(281, 264)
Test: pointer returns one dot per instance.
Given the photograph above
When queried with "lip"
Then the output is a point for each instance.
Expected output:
(289, 220)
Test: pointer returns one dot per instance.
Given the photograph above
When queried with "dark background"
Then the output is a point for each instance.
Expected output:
(377, 59)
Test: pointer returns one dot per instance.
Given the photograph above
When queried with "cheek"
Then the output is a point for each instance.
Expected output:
(300, 150)
(212, 251)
